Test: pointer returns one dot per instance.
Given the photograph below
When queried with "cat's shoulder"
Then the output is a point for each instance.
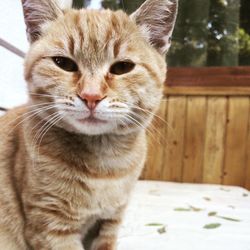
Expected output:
(11, 118)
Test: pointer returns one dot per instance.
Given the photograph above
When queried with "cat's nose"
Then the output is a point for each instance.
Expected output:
(91, 100)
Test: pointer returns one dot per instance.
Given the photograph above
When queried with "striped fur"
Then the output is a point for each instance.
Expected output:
(59, 175)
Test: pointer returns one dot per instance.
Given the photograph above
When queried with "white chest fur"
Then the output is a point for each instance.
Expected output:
(108, 195)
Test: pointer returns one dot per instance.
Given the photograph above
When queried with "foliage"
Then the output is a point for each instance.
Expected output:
(111, 4)
(244, 47)
(78, 4)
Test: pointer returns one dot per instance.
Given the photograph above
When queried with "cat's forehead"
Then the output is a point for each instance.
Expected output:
(96, 34)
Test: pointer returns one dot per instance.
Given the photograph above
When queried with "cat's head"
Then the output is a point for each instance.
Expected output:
(97, 72)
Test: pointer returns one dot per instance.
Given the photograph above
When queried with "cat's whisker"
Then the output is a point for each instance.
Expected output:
(34, 140)
(147, 129)
(29, 106)
(40, 122)
(53, 122)
(149, 112)
(140, 125)
(155, 133)
(154, 115)
(39, 133)
(37, 111)
(152, 127)
(12, 121)
(47, 121)
(45, 95)
(31, 114)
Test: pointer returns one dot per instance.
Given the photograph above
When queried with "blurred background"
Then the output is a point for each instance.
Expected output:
(206, 106)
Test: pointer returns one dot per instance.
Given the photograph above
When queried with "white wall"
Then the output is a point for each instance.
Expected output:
(12, 30)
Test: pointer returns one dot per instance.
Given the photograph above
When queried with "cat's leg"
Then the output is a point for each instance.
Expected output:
(44, 232)
(7, 242)
(50, 241)
(108, 232)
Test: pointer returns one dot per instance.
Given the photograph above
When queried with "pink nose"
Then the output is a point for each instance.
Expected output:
(91, 100)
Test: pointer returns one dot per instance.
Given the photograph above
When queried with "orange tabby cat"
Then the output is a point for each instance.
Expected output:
(70, 157)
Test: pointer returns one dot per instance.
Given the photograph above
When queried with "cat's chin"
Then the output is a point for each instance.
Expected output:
(88, 126)
(92, 121)
(95, 127)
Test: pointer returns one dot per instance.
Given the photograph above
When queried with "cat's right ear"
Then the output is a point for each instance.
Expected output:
(37, 13)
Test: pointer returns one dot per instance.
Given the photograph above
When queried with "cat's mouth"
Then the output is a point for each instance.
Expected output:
(92, 120)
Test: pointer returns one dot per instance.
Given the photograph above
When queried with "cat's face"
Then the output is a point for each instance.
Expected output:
(96, 70)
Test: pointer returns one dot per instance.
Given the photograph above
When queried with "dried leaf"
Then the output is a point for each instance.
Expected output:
(161, 230)
(154, 225)
(228, 218)
(245, 195)
(212, 214)
(207, 198)
(181, 209)
(212, 226)
(196, 209)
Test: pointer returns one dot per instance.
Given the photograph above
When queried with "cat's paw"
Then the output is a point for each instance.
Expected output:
(103, 244)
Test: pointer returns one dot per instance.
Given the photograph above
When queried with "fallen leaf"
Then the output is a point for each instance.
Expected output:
(161, 230)
(196, 209)
(212, 226)
(245, 195)
(228, 218)
(212, 214)
(154, 225)
(181, 209)
(207, 198)
(225, 189)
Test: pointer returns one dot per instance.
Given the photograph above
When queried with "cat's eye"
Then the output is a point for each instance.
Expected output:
(122, 67)
(65, 63)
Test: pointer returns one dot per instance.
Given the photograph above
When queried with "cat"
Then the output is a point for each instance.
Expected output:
(70, 157)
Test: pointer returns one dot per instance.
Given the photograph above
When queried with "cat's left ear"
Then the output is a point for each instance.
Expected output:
(36, 13)
(156, 20)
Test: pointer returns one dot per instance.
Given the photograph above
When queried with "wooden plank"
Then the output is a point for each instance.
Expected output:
(236, 142)
(247, 178)
(194, 139)
(214, 141)
(209, 91)
(156, 141)
(209, 76)
(173, 150)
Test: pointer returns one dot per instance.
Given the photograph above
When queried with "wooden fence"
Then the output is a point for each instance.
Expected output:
(206, 136)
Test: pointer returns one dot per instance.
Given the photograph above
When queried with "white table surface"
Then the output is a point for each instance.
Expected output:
(182, 211)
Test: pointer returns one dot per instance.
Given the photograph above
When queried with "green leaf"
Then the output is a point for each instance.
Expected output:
(181, 209)
(228, 218)
(212, 226)
(212, 214)
(161, 230)
(154, 225)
